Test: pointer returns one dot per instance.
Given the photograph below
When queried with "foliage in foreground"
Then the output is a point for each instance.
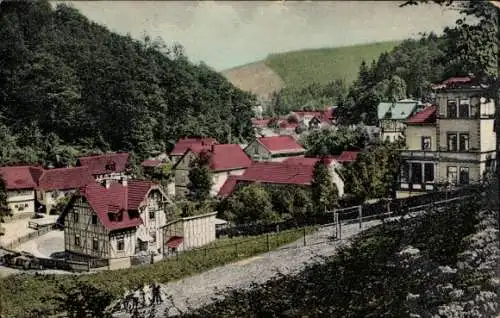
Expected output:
(394, 270)
(43, 295)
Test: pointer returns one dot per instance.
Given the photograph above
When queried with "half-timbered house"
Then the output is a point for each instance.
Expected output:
(116, 220)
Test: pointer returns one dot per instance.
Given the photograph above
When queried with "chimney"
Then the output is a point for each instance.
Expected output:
(124, 181)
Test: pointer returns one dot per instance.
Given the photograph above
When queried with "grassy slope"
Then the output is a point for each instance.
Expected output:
(303, 67)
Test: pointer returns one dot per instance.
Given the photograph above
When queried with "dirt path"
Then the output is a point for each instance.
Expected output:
(197, 291)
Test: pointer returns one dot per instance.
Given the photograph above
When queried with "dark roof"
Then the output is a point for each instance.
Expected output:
(228, 157)
(425, 116)
(103, 164)
(348, 156)
(185, 143)
(65, 178)
(118, 200)
(21, 177)
(228, 187)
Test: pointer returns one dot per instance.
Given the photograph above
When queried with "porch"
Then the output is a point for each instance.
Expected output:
(418, 176)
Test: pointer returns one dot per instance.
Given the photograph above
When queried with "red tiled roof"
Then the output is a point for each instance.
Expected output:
(20, 177)
(98, 164)
(65, 178)
(228, 187)
(151, 163)
(174, 241)
(286, 124)
(425, 116)
(115, 200)
(348, 156)
(278, 173)
(228, 157)
(185, 143)
(308, 161)
(453, 81)
(280, 144)
(260, 122)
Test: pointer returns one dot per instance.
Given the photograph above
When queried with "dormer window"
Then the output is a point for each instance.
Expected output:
(110, 166)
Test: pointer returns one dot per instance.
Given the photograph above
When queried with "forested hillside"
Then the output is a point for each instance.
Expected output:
(70, 86)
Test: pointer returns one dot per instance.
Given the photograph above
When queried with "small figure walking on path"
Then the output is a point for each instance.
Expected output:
(142, 295)
(155, 288)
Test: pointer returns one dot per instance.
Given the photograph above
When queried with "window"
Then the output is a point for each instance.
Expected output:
(153, 236)
(77, 240)
(452, 142)
(464, 142)
(452, 175)
(451, 108)
(151, 215)
(464, 175)
(94, 219)
(464, 108)
(426, 143)
(405, 172)
(75, 216)
(95, 244)
(416, 173)
(429, 172)
(26, 205)
(120, 244)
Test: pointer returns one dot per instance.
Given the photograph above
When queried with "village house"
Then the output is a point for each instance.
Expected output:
(224, 160)
(184, 144)
(276, 148)
(296, 172)
(393, 116)
(117, 220)
(107, 167)
(55, 184)
(20, 183)
(315, 119)
(459, 148)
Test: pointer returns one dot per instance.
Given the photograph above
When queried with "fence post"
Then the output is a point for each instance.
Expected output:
(336, 222)
(88, 265)
(304, 229)
(360, 216)
(268, 245)
(205, 251)
(340, 227)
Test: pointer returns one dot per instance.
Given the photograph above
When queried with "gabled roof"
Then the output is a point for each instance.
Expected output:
(228, 157)
(100, 164)
(115, 200)
(281, 144)
(399, 110)
(228, 186)
(65, 178)
(185, 143)
(20, 177)
(308, 161)
(278, 173)
(151, 163)
(426, 116)
(348, 156)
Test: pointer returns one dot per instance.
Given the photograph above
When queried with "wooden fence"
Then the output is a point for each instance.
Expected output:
(30, 236)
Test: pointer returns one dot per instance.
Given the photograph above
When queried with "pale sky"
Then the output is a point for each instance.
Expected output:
(226, 34)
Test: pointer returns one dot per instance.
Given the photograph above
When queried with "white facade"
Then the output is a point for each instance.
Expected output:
(21, 202)
(50, 198)
(196, 231)
(219, 178)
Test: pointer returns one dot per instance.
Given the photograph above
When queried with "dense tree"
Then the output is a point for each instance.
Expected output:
(301, 207)
(4, 207)
(64, 75)
(200, 177)
(324, 191)
(251, 204)
(333, 142)
(375, 172)
(83, 300)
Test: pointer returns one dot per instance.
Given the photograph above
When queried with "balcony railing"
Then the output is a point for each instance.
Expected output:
(443, 155)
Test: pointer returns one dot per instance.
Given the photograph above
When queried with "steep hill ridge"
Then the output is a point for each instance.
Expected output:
(300, 68)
